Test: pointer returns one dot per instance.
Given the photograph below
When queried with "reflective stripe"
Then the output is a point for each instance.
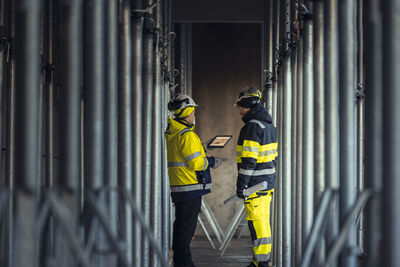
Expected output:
(262, 241)
(250, 149)
(262, 257)
(267, 153)
(193, 156)
(187, 188)
(256, 172)
(177, 164)
(184, 131)
(258, 122)
(205, 164)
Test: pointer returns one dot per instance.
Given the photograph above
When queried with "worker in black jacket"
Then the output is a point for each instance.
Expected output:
(257, 151)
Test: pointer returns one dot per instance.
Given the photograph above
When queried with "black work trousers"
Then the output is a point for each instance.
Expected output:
(186, 213)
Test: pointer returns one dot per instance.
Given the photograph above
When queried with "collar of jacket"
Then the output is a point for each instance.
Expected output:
(185, 123)
(258, 113)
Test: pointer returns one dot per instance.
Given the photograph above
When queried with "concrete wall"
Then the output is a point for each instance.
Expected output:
(226, 58)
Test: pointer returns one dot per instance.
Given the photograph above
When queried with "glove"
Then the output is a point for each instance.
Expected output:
(239, 193)
(217, 163)
(241, 184)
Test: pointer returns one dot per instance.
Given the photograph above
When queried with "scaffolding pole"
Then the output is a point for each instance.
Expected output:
(391, 133)
(348, 161)
(373, 131)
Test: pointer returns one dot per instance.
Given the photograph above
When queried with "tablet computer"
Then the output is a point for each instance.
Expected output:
(219, 141)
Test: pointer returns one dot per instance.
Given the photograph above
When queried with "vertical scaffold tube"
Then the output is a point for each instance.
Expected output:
(137, 88)
(69, 78)
(10, 143)
(277, 214)
(348, 163)
(27, 73)
(391, 133)
(3, 58)
(94, 94)
(360, 115)
(166, 203)
(155, 213)
(299, 149)
(148, 83)
(373, 131)
(331, 49)
(269, 55)
(48, 57)
(293, 67)
(111, 117)
(94, 100)
(319, 105)
(275, 44)
(124, 122)
(319, 119)
(286, 132)
(308, 127)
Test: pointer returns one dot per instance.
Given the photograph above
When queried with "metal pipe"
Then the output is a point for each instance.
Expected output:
(27, 84)
(299, 151)
(293, 67)
(148, 83)
(206, 210)
(240, 213)
(319, 113)
(111, 116)
(277, 214)
(391, 133)
(360, 115)
(47, 94)
(183, 58)
(286, 133)
(348, 170)
(308, 127)
(156, 166)
(319, 107)
(124, 123)
(4, 50)
(10, 143)
(137, 87)
(189, 59)
(373, 130)
(268, 72)
(331, 111)
(48, 55)
(348, 224)
(321, 215)
(275, 33)
(94, 94)
(27, 93)
(94, 100)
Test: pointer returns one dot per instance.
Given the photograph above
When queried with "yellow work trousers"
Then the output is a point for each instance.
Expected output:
(257, 208)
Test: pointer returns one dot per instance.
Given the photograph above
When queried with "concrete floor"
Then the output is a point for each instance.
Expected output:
(238, 254)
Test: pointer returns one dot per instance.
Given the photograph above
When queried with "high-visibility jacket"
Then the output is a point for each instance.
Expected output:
(257, 149)
(187, 162)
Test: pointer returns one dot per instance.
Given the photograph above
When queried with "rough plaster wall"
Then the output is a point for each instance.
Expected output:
(226, 58)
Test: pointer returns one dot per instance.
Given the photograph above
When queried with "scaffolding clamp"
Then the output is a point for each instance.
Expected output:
(360, 92)
(147, 10)
(305, 12)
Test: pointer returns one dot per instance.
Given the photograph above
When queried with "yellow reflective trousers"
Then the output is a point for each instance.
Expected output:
(257, 207)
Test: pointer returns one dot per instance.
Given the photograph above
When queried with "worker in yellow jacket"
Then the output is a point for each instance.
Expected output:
(189, 175)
